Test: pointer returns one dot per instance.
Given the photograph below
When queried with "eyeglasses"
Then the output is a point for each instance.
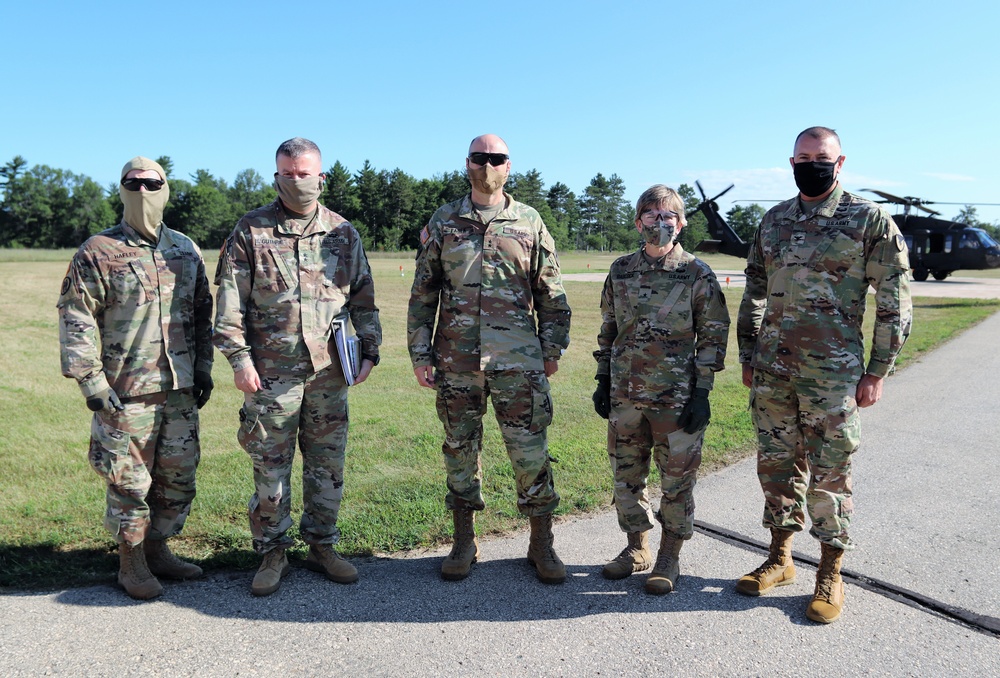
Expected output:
(134, 184)
(495, 159)
(650, 218)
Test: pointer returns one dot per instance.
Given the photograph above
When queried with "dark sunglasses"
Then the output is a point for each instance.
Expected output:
(150, 184)
(495, 159)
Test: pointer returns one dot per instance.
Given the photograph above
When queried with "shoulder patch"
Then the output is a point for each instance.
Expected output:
(66, 283)
(424, 235)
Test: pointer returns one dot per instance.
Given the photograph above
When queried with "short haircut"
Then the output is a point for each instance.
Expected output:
(297, 147)
(660, 196)
(817, 133)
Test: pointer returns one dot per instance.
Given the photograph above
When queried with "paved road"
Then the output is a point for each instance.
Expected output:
(967, 288)
(928, 503)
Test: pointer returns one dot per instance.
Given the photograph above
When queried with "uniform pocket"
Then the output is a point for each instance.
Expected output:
(251, 433)
(109, 454)
(541, 402)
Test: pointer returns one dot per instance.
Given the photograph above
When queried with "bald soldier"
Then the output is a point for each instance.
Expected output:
(135, 332)
(487, 271)
(810, 265)
(286, 272)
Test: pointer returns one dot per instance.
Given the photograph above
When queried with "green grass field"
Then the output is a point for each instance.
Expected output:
(52, 503)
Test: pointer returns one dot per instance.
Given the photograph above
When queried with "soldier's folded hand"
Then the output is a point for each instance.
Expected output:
(203, 386)
(105, 400)
(697, 412)
(602, 396)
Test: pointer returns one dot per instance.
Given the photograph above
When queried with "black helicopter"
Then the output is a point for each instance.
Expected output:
(939, 247)
(724, 238)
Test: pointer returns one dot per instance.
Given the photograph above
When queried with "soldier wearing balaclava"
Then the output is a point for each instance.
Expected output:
(136, 334)
(144, 202)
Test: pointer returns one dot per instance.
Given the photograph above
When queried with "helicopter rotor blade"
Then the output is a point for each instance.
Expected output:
(701, 190)
(889, 196)
(731, 186)
(925, 209)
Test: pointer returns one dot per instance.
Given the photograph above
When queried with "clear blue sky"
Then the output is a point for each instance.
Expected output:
(653, 91)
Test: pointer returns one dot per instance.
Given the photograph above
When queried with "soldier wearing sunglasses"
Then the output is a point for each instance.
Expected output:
(487, 271)
(136, 333)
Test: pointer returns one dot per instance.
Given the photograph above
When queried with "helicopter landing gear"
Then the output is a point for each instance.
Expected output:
(920, 274)
(940, 275)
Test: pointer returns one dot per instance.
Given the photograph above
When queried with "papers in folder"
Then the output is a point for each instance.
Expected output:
(348, 347)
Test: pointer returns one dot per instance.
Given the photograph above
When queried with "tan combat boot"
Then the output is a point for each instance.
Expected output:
(777, 570)
(635, 558)
(165, 564)
(465, 549)
(134, 575)
(828, 600)
(322, 558)
(541, 554)
(269, 574)
(667, 570)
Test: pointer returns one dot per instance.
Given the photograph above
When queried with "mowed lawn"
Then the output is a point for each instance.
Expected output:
(52, 503)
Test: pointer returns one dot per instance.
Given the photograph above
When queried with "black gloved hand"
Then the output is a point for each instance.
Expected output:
(105, 400)
(602, 396)
(203, 386)
(697, 412)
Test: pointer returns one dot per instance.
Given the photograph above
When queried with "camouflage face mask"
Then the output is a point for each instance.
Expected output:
(487, 179)
(659, 234)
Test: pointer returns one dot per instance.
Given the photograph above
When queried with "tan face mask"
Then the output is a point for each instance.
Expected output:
(298, 195)
(487, 179)
(144, 209)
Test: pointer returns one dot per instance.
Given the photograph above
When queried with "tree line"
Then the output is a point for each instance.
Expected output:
(44, 207)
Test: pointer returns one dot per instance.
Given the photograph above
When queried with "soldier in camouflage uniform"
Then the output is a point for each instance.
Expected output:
(662, 339)
(486, 268)
(135, 331)
(810, 265)
(286, 271)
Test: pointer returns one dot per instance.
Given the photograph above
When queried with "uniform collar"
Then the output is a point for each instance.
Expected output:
(287, 225)
(673, 260)
(468, 210)
(825, 209)
(133, 238)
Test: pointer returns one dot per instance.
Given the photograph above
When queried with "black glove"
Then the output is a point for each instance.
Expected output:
(203, 386)
(105, 400)
(602, 396)
(697, 412)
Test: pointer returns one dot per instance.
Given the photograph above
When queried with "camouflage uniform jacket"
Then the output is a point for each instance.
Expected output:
(664, 328)
(281, 286)
(491, 280)
(147, 306)
(807, 282)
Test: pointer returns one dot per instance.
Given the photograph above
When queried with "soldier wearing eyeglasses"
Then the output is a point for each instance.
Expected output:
(487, 272)
(135, 332)
(662, 339)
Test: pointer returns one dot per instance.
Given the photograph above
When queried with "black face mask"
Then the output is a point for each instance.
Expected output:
(814, 178)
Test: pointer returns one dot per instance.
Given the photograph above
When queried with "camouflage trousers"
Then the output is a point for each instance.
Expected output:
(807, 431)
(637, 431)
(147, 455)
(312, 408)
(523, 409)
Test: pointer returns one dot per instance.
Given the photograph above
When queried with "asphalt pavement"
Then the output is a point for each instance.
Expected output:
(921, 593)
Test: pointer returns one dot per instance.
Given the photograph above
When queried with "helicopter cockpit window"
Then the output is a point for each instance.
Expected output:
(984, 239)
(970, 241)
